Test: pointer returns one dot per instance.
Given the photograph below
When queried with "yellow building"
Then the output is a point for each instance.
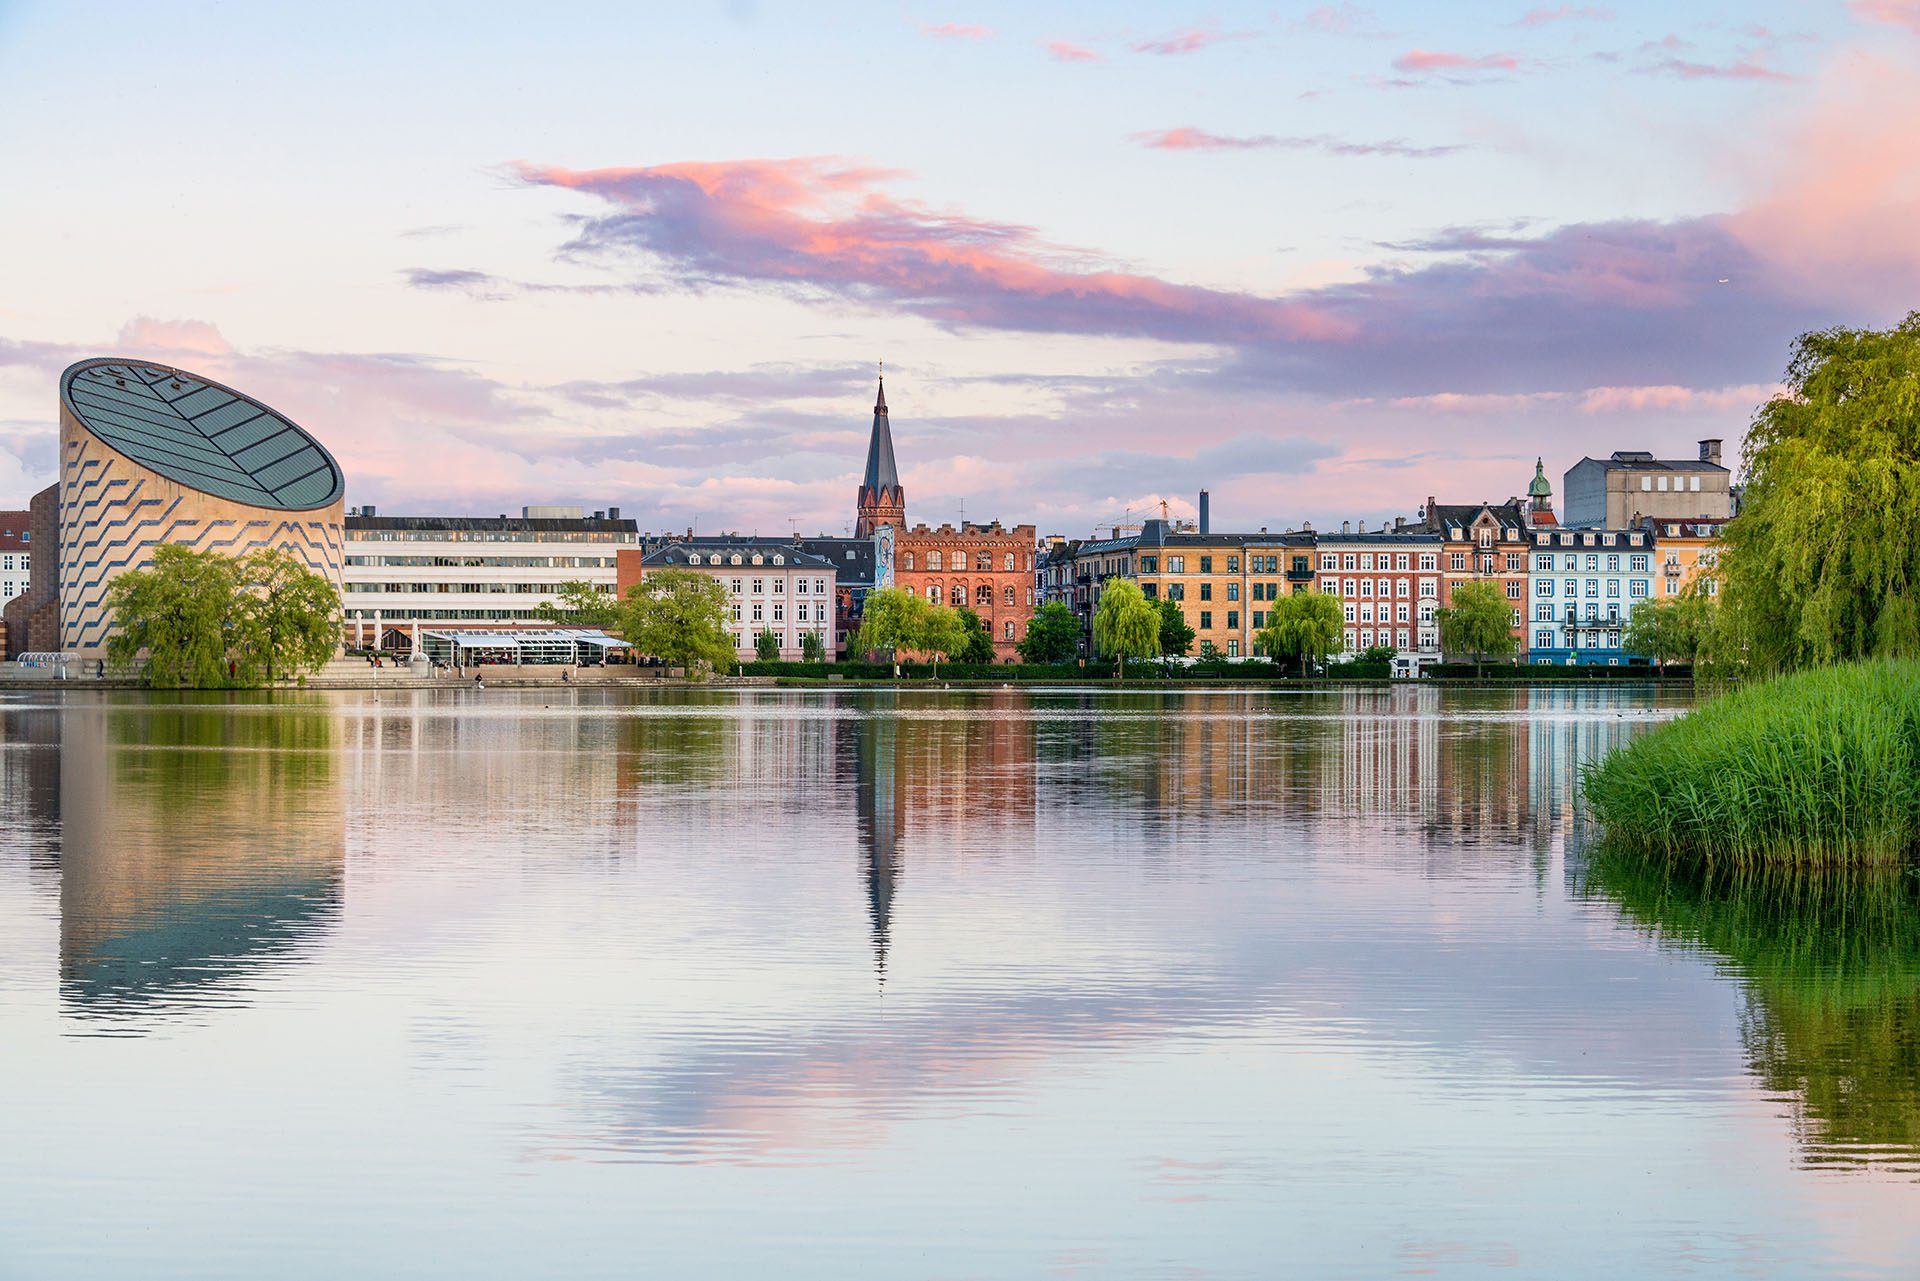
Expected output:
(1685, 552)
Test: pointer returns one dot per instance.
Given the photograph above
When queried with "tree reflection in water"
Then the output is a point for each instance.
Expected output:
(1831, 966)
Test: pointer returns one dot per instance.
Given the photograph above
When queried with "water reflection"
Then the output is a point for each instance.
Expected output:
(200, 846)
(1831, 969)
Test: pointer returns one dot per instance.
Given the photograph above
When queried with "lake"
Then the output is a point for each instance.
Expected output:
(911, 984)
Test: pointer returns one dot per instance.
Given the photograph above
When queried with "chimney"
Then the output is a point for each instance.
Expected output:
(1710, 451)
(599, 515)
(1206, 525)
(613, 513)
(1399, 523)
(1346, 527)
(366, 511)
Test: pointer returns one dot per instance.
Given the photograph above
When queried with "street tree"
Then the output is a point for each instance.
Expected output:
(1672, 630)
(1125, 624)
(1822, 565)
(1176, 636)
(286, 617)
(679, 616)
(1303, 629)
(891, 619)
(812, 648)
(766, 645)
(179, 613)
(579, 603)
(1053, 635)
(1479, 622)
(978, 646)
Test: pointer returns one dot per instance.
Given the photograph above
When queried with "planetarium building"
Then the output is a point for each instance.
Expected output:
(151, 455)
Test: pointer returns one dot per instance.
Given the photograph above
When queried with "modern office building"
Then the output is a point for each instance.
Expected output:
(771, 585)
(1620, 490)
(406, 573)
(151, 456)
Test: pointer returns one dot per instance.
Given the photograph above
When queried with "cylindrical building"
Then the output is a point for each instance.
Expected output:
(151, 455)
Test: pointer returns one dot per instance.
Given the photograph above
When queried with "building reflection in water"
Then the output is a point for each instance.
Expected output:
(1831, 970)
(201, 846)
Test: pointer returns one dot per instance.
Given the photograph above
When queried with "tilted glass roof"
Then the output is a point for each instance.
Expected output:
(201, 434)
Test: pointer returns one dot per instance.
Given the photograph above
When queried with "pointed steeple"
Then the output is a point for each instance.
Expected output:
(881, 501)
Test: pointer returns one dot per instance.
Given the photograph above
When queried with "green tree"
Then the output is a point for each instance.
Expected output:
(580, 604)
(812, 648)
(1823, 562)
(1479, 622)
(766, 646)
(1303, 629)
(1053, 635)
(679, 616)
(1176, 636)
(1125, 623)
(1672, 630)
(978, 646)
(181, 614)
(286, 617)
(943, 634)
(891, 619)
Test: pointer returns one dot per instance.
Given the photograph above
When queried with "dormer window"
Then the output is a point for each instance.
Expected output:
(736, 558)
(779, 560)
(757, 559)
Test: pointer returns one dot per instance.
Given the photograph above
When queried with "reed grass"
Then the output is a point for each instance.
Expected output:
(1817, 769)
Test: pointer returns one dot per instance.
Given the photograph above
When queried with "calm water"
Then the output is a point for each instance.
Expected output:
(963, 985)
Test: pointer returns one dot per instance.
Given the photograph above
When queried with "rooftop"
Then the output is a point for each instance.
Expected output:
(201, 434)
(1643, 460)
(521, 524)
(767, 553)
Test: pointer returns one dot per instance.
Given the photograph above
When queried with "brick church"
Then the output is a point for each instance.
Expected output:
(987, 568)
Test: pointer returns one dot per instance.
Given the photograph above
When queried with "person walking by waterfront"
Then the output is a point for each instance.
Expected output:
(99, 669)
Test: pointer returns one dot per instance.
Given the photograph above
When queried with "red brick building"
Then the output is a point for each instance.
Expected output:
(988, 568)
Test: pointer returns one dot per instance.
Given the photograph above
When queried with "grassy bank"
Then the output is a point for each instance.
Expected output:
(1821, 768)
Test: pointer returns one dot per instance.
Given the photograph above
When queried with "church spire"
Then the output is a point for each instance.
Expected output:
(881, 501)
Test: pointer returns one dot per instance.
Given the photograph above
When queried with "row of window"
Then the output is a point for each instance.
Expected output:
(1585, 538)
(1570, 587)
(1364, 613)
(15, 561)
(1544, 614)
(1366, 638)
(801, 586)
(1581, 640)
(482, 536)
(982, 595)
(494, 562)
(1402, 561)
(1681, 484)
(982, 561)
(1349, 588)
(457, 589)
(1571, 562)
(803, 611)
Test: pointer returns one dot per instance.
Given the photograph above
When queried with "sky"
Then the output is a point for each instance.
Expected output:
(1323, 260)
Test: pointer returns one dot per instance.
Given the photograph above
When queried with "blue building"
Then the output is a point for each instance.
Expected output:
(1586, 584)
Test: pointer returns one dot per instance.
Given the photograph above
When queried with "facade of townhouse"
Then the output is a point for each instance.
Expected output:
(1484, 542)
(771, 586)
(1586, 585)
(1389, 585)
(1687, 551)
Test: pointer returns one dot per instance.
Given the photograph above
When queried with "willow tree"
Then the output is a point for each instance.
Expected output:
(1478, 622)
(180, 614)
(1304, 628)
(1125, 623)
(1823, 562)
(287, 616)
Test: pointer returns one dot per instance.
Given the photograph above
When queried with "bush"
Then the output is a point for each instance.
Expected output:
(1819, 768)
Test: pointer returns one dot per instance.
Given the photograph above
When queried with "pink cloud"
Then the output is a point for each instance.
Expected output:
(822, 223)
(1543, 16)
(1066, 51)
(1749, 67)
(1337, 20)
(1190, 40)
(1188, 138)
(955, 31)
(1895, 13)
(1425, 61)
(1716, 400)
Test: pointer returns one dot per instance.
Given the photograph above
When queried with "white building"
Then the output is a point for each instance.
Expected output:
(16, 558)
(471, 572)
(771, 585)
(1586, 585)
